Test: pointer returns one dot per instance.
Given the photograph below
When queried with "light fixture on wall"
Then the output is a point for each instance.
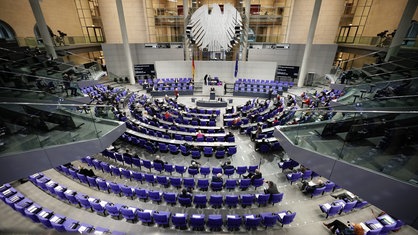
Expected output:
(211, 29)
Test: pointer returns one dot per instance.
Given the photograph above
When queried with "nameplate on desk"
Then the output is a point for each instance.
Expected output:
(249, 216)
(231, 216)
(196, 216)
(180, 214)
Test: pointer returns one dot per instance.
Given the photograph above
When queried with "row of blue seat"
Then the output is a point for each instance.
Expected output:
(168, 168)
(341, 206)
(175, 149)
(47, 217)
(179, 220)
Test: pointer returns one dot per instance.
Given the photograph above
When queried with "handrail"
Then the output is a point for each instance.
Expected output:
(60, 104)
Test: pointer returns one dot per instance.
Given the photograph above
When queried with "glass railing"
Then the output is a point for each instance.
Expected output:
(384, 94)
(68, 40)
(27, 126)
(382, 141)
(372, 41)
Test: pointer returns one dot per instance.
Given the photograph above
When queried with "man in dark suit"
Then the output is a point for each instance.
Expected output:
(217, 178)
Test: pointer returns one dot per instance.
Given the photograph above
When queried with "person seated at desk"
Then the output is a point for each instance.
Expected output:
(127, 154)
(227, 165)
(310, 186)
(200, 134)
(86, 172)
(271, 189)
(194, 165)
(355, 229)
(167, 115)
(158, 160)
(185, 194)
(217, 178)
(259, 143)
(230, 134)
(256, 175)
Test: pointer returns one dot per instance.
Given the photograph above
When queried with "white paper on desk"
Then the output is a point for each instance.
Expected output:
(133, 209)
(91, 199)
(327, 206)
(231, 216)
(281, 215)
(82, 228)
(196, 216)
(364, 226)
(103, 203)
(249, 217)
(179, 214)
(149, 211)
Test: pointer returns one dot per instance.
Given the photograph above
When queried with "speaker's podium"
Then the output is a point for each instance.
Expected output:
(212, 95)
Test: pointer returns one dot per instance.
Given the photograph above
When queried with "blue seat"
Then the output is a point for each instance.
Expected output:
(318, 191)
(113, 210)
(307, 174)
(244, 184)
(247, 200)
(186, 202)
(145, 217)
(189, 183)
(193, 171)
(229, 171)
(203, 184)
(170, 198)
(207, 151)
(126, 173)
(230, 184)
(127, 191)
(150, 178)
(329, 187)
(252, 221)
(184, 151)
(180, 169)
(175, 182)
(115, 188)
(293, 177)
(162, 218)
(137, 176)
(174, 149)
(290, 164)
(331, 210)
(196, 154)
(163, 180)
(216, 186)
(97, 207)
(276, 198)
(136, 162)
(128, 214)
(141, 194)
(169, 168)
(216, 201)
(205, 170)
(158, 166)
(155, 196)
(220, 154)
(241, 170)
(179, 220)
(286, 217)
(214, 222)
(200, 201)
(348, 207)
(233, 222)
(258, 182)
(147, 164)
(231, 150)
(216, 170)
(263, 199)
(268, 219)
(197, 222)
(231, 201)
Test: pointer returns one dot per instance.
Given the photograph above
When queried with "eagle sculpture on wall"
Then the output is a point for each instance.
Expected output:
(213, 29)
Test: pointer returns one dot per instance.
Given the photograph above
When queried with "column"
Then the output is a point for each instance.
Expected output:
(125, 41)
(186, 40)
(403, 26)
(43, 28)
(246, 29)
(311, 34)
